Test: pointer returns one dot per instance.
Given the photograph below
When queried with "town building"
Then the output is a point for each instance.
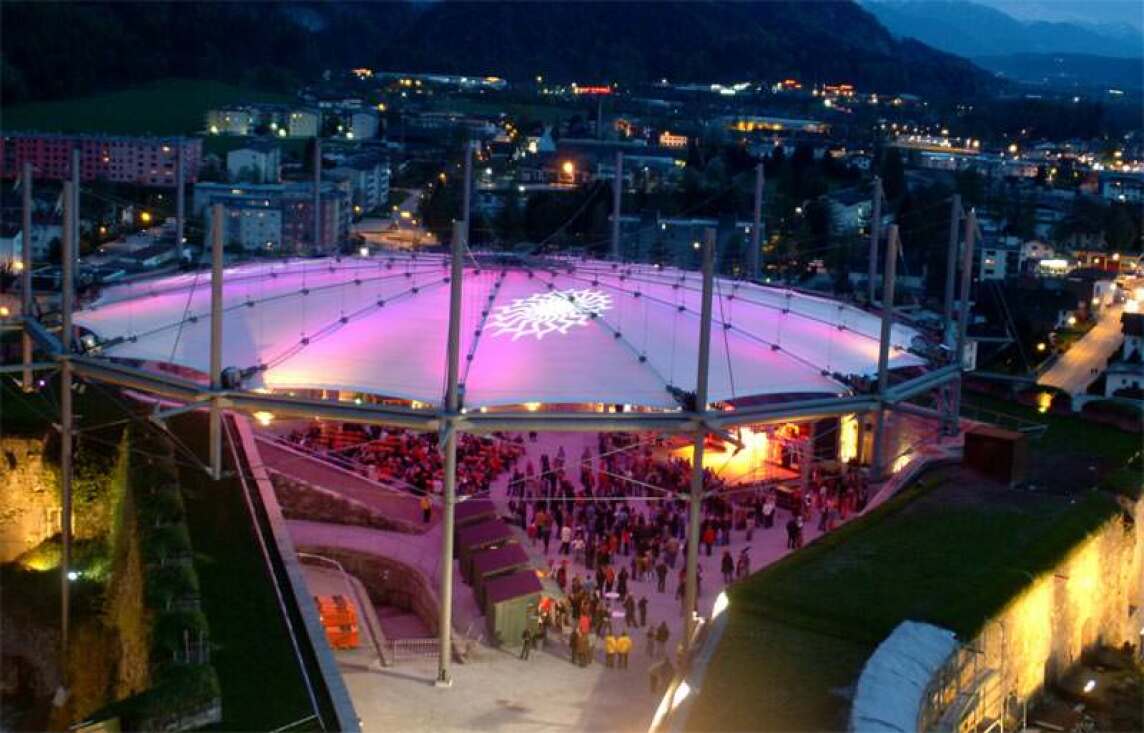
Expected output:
(1125, 376)
(998, 256)
(368, 177)
(277, 218)
(255, 162)
(277, 119)
(303, 122)
(850, 210)
(145, 161)
(12, 242)
(1123, 187)
(232, 120)
(362, 125)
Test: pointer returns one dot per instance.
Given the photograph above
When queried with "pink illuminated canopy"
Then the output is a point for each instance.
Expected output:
(557, 332)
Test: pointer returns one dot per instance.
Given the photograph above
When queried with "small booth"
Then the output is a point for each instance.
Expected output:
(477, 537)
(473, 511)
(489, 564)
(511, 603)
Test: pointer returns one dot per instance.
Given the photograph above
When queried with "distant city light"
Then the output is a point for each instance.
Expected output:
(568, 168)
(145, 217)
(4, 311)
(1090, 686)
(364, 251)
(264, 418)
(1040, 346)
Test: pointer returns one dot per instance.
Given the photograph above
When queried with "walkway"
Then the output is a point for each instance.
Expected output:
(419, 552)
(1072, 372)
(392, 503)
(495, 690)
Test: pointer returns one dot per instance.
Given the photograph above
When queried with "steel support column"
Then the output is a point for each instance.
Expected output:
(467, 193)
(26, 271)
(879, 464)
(448, 498)
(67, 295)
(963, 307)
(948, 417)
(875, 235)
(617, 204)
(695, 502)
(754, 254)
(180, 198)
(218, 221)
(317, 244)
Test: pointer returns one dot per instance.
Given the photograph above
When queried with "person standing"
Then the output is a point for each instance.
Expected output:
(661, 576)
(661, 636)
(624, 648)
(643, 611)
(525, 643)
(651, 642)
(574, 646)
(727, 565)
(426, 509)
(622, 582)
(610, 649)
(630, 611)
(566, 540)
(769, 511)
(791, 532)
(709, 538)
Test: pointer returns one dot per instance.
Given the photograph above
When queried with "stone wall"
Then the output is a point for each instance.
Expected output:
(29, 507)
(301, 500)
(388, 582)
(1094, 596)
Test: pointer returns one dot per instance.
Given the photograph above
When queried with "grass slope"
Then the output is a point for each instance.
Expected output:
(950, 550)
(169, 107)
(262, 687)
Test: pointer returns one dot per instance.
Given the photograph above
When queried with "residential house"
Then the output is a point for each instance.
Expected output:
(256, 162)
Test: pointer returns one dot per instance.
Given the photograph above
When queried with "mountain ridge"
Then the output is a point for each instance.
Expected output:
(53, 50)
(973, 30)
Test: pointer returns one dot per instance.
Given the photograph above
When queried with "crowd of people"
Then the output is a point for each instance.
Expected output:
(619, 514)
(410, 458)
(587, 623)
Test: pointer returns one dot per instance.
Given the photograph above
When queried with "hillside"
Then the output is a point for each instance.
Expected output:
(1062, 70)
(56, 50)
(969, 29)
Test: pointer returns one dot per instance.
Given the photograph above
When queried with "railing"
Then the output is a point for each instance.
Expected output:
(1003, 419)
(335, 459)
(407, 649)
(377, 636)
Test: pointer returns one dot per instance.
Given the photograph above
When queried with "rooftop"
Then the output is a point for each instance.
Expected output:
(553, 331)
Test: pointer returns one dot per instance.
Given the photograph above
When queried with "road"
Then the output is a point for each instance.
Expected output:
(1073, 370)
(398, 230)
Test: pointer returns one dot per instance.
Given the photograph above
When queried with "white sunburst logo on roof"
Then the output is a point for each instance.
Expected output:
(553, 312)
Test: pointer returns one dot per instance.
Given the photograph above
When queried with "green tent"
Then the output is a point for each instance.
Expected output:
(477, 537)
(489, 564)
(510, 605)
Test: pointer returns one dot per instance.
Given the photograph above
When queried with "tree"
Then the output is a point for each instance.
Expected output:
(1121, 229)
(893, 174)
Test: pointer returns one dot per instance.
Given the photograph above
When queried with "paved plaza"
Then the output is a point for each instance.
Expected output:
(494, 689)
